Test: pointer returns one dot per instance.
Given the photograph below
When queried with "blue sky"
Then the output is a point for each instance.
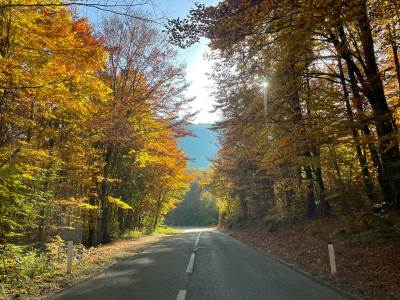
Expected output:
(197, 65)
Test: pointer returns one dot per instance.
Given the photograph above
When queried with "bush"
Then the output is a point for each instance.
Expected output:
(366, 228)
(20, 264)
(166, 230)
(132, 234)
(32, 264)
(233, 220)
(381, 226)
(272, 222)
(56, 250)
(315, 227)
(355, 223)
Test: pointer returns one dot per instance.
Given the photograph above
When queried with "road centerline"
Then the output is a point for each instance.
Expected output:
(189, 268)
(181, 295)
(197, 240)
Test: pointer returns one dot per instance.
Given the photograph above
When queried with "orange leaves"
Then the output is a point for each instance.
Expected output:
(87, 118)
(49, 89)
(53, 58)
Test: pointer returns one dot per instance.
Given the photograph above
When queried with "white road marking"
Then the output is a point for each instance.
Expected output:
(189, 268)
(181, 295)
(197, 241)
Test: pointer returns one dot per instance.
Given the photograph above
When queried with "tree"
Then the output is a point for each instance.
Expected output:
(49, 61)
(328, 104)
(78, 110)
(198, 206)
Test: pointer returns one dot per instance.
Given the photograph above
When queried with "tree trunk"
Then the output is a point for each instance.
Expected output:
(324, 207)
(369, 188)
(311, 205)
(156, 217)
(121, 220)
(315, 152)
(372, 88)
(386, 188)
(128, 224)
(396, 63)
(92, 219)
(105, 207)
(384, 122)
(332, 153)
(136, 214)
(393, 44)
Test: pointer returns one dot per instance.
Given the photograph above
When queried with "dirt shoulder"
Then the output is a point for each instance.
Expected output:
(371, 268)
(92, 263)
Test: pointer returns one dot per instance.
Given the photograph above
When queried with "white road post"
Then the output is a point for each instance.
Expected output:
(332, 258)
(70, 254)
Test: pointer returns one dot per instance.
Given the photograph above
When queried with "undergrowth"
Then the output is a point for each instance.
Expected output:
(135, 234)
(167, 230)
(22, 264)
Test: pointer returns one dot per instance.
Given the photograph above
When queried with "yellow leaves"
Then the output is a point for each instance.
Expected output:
(81, 203)
(118, 203)
(98, 178)
(160, 162)
(71, 127)
(87, 206)
(54, 60)
(143, 158)
(108, 180)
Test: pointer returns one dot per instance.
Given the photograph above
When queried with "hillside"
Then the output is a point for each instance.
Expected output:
(201, 147)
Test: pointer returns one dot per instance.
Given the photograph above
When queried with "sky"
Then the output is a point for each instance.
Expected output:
(197, 66)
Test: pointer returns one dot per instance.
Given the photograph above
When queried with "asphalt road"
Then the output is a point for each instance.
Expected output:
(201, 264)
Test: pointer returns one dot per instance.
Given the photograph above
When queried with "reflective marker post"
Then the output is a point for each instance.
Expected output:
(70, 252)
(332, 258)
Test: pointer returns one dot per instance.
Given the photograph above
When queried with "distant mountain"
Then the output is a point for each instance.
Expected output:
(200, 148)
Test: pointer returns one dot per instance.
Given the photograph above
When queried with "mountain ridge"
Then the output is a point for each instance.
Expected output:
(201, 147)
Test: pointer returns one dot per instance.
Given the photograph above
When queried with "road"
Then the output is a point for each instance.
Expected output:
(200, 264)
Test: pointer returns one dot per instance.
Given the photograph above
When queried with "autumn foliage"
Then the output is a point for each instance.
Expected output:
(321, 138)
(88, 123)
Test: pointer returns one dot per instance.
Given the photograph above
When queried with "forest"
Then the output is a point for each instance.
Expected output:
(309, 97)
(88, 126)
(91, 116)
(198, 207)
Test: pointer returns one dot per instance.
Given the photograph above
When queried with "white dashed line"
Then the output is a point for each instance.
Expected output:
(189, 268)
(197, 241)
(181, 295)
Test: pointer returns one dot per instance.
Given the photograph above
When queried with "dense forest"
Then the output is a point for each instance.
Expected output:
(88, 127)
(198, 206)
(91, 119)
(309, 97)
